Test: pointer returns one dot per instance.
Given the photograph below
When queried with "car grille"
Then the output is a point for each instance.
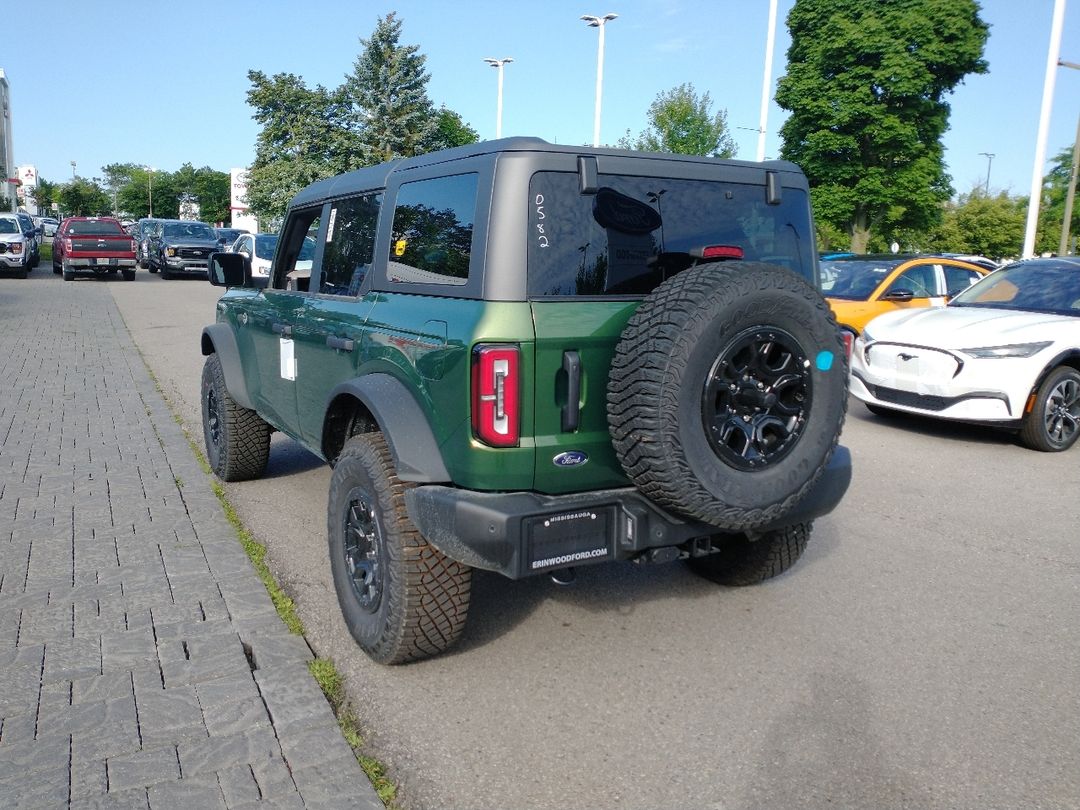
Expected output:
(194, 253)
(927, 402)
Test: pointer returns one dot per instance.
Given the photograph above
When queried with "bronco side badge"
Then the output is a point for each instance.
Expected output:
(571, 458)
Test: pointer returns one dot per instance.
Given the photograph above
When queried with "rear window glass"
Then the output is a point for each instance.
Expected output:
(433, 228)
(94, 228)
(638, 231)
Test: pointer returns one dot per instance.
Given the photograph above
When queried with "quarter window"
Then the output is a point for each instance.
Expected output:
(433, 227)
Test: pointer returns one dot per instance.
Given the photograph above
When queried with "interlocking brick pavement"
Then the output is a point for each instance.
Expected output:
(141, 661)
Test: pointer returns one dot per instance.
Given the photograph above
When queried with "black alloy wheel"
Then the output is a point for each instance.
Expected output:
(364, 550)
(757, 397)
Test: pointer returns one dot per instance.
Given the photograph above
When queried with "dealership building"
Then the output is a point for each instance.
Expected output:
(7, 148)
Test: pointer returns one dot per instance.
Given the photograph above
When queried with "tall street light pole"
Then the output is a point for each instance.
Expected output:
(498, 65)
(150, 190)
(989, 161)
(73, 171)
(766, 84)
(598, 22)
(1034, 200)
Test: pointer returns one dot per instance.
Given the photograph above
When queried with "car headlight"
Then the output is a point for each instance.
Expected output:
(1012, 350)
(170, 251)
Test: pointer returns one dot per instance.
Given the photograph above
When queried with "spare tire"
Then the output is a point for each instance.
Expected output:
(727, 393)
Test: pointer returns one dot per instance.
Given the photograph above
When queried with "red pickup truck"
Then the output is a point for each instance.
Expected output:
(94, 244)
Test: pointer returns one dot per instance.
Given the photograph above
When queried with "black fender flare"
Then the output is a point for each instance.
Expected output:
(219, 339)
(403, 423)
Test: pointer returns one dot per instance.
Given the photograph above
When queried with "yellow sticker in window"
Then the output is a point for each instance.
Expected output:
(399, 247)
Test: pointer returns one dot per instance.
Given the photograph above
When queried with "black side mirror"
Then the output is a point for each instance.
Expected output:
(898, 295)
(229, 270)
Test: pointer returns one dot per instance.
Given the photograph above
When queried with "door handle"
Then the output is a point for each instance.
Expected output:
(283, 329)
(345, 344)
(571, 411)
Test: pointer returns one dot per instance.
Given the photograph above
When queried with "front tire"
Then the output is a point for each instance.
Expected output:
(401, 598)
(237, 439)
(1053, 424)
(742, 561)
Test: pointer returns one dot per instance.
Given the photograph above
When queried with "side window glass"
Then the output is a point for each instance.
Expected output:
(293, 272)
(958, 279)
(433, 228)
(920, 280)
(350, 244)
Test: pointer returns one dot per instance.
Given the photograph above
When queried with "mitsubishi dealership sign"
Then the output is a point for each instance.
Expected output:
(27, 181)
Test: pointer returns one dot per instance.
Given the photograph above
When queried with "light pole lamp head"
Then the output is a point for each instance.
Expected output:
(496, 63)
(595, 22)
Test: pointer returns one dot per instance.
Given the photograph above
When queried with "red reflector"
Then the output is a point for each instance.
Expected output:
(722, 252)
(496, 397)
(849, 342)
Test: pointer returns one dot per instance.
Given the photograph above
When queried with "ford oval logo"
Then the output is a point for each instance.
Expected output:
(571, 458)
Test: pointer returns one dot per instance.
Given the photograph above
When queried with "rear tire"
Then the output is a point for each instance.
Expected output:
(129, 274)
(401, 598)
(237, 439)
(1054, 422)
(741, 561)
(69, 274)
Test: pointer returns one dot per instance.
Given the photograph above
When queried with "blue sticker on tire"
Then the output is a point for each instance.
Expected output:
(824, 361)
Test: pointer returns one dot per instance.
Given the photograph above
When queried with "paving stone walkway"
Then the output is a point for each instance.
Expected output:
(142, 664)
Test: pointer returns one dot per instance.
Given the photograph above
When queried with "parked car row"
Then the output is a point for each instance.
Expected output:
(176, 246)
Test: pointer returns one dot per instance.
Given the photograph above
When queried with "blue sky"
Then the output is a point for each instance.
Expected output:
(163, 84)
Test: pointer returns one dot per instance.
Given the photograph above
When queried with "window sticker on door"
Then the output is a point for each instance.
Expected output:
(288, 359)
(399, 247)
(330, 227)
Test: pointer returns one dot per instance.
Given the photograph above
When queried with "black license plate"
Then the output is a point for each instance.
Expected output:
(569, 538)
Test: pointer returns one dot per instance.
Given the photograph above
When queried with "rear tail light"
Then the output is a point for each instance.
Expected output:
(848, 339)
(132, 245)
(67, 245)
(496, 395)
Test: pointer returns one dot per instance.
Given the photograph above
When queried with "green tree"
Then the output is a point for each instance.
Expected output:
(1052, 209)
(386, 95)
(450, 130)
(865, 85)
(302, 139)
(45, 195)
(683, 123)
(83, 198)
(985, 225)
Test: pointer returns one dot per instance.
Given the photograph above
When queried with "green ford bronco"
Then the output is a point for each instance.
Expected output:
(523, 358)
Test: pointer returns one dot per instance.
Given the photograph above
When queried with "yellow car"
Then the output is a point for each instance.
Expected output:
(859, 288)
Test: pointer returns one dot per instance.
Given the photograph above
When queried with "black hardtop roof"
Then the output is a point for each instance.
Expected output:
(374, 177)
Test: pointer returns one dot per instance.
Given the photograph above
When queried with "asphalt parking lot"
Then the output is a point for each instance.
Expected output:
(924, 653)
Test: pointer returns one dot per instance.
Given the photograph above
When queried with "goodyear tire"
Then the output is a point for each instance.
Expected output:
(401, 599)
(237, 439)
(727, 393)
(743, 560)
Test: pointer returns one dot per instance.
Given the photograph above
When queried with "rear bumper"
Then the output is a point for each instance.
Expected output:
(519, 534)
(87, 263)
